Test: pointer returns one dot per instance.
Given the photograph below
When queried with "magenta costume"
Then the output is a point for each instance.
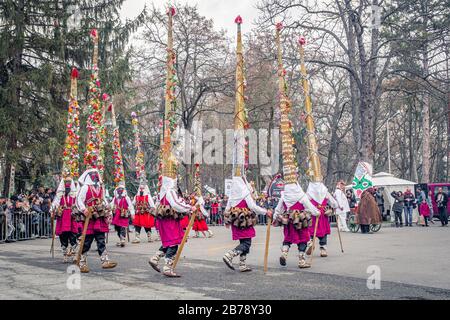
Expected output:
(293, 235)
(170, 230)
(118, 220)
(323, 228)
(66, 223)
(100, 224)
(246, 233)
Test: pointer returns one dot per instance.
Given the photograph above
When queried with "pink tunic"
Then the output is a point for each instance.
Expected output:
(246, 233)
(66, 223)
(324, 224)
(424, 210)
(117, 219)
(293, 235)
(95, 225)
(170, 230)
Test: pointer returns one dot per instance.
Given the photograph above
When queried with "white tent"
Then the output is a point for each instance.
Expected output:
(390, 184)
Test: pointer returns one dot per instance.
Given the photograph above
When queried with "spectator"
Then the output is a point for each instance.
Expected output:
(215, 211)
(409, 205)
(424, 211)
(3, 208)
(380, 200)
(430, 204)
(441, 202)
(397, 207)
(351, 198)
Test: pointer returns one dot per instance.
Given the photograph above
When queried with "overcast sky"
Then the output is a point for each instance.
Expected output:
(223, 12)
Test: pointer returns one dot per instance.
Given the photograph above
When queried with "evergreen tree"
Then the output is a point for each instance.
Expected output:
(41, 41)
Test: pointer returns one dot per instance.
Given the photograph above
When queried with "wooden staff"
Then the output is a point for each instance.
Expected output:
(83, 237)
(314, 239)
(266, 252)
(339, 232)
(52, 247)
(186, 235)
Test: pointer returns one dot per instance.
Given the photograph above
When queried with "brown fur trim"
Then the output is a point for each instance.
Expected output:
(240, 217)
(300, 219)
(165, 212)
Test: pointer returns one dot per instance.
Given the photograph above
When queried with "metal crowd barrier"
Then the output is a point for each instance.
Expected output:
(25, 225)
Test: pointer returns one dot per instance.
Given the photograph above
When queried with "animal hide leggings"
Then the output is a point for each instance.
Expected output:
(99, 238)
(169, 252)
(67, 237)
(244, 246)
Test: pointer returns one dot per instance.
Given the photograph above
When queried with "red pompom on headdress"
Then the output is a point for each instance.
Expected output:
(279, 26)
(238, 20)
(94, 33)
(302, 40)
(172, 11)
(74, 74)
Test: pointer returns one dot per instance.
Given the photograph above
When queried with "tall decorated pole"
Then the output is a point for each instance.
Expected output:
(314, 172)
(119, 171)
(168, 163)
(95, 126)
(71, 154)
(316, 188)
(93, 156)
(240, 152)
(287, 139)
(140, 165)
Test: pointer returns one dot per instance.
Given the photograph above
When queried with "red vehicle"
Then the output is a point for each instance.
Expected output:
(434, 187)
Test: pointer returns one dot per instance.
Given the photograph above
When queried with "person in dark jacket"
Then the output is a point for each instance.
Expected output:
(441, 202)
(409, 205)
(397, 207)
(380, 200)
(351, 198)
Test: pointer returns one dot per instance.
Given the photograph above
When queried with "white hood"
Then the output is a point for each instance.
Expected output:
(85, 178)
(62, 188)
(292, 194)
(317, 191)
(146, 190)
(240, 189)
(169, 190)
(167, 184)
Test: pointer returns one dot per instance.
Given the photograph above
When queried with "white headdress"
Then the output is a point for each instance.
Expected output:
(240, 189)
(317, 191)
(85, 178)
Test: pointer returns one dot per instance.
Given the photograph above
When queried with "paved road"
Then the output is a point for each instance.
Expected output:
(414, 264)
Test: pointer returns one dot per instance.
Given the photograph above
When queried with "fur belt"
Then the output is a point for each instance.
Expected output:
(61, 209)
(165, 212)
(240, 217)
(98, 211)
(300, 219)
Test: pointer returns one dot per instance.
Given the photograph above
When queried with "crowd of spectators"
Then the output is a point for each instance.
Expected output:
(26, 216)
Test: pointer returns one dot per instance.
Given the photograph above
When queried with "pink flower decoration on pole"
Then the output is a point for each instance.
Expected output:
(172, 11)
(279, 26)
(94, 33)
(75, 73)
(302, 40)
(105, 97)
(238, 20)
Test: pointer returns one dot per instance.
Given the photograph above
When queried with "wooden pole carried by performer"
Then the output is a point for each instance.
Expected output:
(198, 193)
(314, 171)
